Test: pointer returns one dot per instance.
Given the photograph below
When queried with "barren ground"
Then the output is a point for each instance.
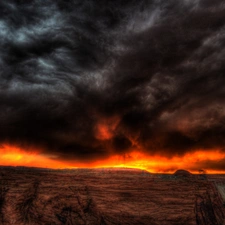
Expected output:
(107, 197)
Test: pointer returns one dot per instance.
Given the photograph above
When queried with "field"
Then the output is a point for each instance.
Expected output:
(108, 196)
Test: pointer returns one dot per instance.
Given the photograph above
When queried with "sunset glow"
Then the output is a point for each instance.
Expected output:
(14, 156)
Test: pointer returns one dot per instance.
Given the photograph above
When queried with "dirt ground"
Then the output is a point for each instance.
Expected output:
(106, 197)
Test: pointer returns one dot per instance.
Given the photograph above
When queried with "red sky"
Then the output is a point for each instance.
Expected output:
(15, 156)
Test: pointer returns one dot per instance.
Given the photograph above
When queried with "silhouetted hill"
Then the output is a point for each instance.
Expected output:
(183, 173)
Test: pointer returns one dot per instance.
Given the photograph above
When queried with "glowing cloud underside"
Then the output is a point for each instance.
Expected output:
(15, 156)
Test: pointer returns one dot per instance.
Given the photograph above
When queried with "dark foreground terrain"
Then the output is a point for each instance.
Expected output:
(109, 196)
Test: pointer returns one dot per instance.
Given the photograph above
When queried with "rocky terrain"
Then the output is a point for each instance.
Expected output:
(108, 196)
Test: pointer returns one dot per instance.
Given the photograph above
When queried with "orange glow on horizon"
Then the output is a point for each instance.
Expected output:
(14, 156)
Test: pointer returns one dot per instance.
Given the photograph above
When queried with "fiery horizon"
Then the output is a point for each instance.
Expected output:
(193, 162)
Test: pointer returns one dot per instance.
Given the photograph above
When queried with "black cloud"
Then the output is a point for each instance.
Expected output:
(154, 69)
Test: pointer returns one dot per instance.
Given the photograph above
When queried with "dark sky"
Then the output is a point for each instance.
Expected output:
(89, 79)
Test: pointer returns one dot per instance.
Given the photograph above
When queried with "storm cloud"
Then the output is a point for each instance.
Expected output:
(88, 79)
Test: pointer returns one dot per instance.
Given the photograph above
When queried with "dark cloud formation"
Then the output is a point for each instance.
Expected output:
(87, 79)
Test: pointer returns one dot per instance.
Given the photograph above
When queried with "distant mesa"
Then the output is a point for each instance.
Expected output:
(183, 173)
